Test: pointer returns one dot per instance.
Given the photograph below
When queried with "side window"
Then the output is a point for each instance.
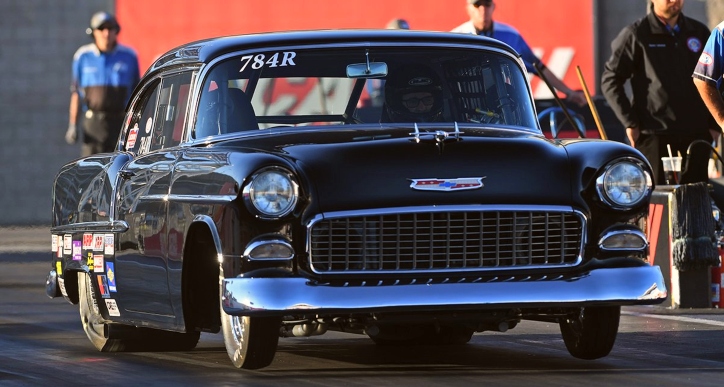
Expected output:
(142, 121)
(171, 116)
(159, 119)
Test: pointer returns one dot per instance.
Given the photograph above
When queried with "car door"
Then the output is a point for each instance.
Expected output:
(141, 261)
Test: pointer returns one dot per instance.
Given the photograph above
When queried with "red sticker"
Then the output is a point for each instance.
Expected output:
(132, 135)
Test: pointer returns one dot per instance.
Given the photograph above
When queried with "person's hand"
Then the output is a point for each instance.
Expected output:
(633, 136)
(577, 97)
(71, 135)
(715, 134)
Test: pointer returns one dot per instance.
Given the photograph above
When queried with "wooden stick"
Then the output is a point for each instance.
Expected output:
(563, 107)
(591, 105)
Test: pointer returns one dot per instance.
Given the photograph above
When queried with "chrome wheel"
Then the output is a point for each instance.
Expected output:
(251, 342)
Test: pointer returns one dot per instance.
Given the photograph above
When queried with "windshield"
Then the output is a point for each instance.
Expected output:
(311, 87)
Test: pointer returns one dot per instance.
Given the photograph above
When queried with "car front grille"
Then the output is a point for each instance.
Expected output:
(445, 241)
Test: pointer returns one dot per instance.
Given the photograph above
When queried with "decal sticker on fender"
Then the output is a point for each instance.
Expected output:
(446, 185)
(87, 241)
(67, 244)
(54, 243)
(109, 244)
(98, 263)
(112, 308)
(103, 286)
(111, 277)
(60, 247)
(98, 242)
(59, 267)
(77, 251)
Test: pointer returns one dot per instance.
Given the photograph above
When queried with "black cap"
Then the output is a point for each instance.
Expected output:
(478, 3)
(100, 19)
(398, 24)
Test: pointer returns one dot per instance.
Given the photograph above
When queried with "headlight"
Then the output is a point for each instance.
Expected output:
(624, 184)
(271, 192)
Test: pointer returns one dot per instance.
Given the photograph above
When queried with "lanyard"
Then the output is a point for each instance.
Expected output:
(489, 32)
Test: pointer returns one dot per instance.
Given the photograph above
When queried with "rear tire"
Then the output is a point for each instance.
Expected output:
(109, 337)
(95, 326)
(592, 333)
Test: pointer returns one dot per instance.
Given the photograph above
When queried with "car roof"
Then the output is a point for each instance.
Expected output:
(203, 51)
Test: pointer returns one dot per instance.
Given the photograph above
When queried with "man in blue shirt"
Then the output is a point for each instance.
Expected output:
(481, 23)
(708, 74)
(104, 75)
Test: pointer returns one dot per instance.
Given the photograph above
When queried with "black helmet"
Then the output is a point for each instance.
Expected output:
(100, 19)
(412, 79)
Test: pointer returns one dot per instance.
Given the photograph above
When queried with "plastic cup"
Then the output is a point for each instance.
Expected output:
(672, 169)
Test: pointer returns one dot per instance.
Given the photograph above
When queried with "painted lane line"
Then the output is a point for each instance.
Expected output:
(677, 318)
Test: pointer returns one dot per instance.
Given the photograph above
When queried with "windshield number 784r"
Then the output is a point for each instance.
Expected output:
(260, 60)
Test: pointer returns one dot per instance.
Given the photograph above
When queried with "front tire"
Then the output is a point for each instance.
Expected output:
(592, 332)
(251, 342)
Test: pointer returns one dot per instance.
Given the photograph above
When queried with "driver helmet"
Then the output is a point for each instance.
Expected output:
(412, 79)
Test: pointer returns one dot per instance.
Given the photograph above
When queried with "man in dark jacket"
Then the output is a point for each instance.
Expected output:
(657, 53)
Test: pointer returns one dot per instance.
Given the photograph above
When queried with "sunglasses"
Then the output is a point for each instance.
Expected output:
(107, 27)
(413, 102)
(483, 4)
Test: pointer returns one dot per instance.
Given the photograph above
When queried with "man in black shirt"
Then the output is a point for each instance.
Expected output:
(657, 53)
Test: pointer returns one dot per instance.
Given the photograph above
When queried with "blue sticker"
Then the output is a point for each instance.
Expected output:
(103, 286)
(110, 271)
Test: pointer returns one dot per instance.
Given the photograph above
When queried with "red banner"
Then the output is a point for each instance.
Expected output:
(559, 31)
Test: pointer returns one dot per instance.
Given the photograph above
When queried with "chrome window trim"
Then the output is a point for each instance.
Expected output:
(201, 75)
(116, 226)
(141, 89)
(212, 199)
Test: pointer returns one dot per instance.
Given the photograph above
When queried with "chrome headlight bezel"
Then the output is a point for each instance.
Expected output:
(614, 184)
(271, 193)
(623, 238)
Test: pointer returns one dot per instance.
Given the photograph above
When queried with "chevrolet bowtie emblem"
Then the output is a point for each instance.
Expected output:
(459, 184)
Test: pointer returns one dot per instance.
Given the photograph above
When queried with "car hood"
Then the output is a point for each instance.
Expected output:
(350, 170)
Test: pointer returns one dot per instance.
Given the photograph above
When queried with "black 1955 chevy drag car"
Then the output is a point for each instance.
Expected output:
(388, 183)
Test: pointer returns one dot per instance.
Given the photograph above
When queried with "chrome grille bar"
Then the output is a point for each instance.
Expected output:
(446, 239)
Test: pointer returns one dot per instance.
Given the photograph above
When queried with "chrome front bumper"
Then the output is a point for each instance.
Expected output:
(283, 296)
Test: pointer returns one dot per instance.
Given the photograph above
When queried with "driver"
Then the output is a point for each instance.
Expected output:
(413, 94)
